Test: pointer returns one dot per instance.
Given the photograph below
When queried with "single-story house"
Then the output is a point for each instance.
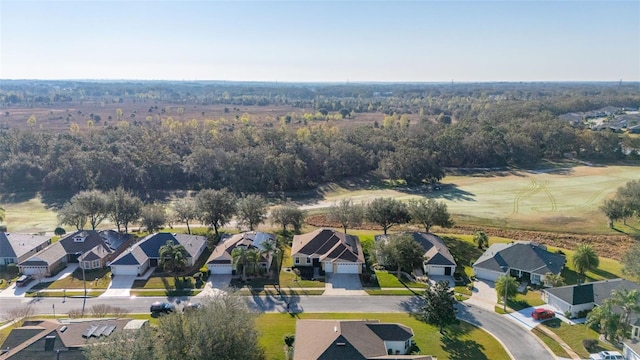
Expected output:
(437, 258)
(60, 339)
(525, 260)
(574, 299)
(353, 339)
(631, 349)
(146, 252)
(329, 250)
(91, 248)
(15, 248)
(221, 260)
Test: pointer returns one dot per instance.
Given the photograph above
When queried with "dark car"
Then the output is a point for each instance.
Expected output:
(24, 280)
(192, 306)
(162, 307)
(542, 314)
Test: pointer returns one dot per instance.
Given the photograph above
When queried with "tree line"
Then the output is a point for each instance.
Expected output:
(249, 159)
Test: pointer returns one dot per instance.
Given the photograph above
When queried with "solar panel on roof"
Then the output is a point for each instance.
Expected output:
(108, 330)
(90, 331)
(99, 331)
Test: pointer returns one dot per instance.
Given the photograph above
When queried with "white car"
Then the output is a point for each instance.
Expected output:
(606, 355)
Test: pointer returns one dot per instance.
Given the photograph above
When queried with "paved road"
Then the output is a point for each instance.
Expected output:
(518, 341)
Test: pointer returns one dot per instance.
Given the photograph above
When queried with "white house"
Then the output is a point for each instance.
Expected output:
(576, 299)
(329, 250)
(221, 260)
(525, 260)
(15, 248)
(631, 349)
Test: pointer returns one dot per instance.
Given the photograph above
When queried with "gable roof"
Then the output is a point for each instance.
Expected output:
(151, 244)
(113, 239)
(436, 251)
(132, 256)
(328, 245)
(47, 256)
(89, 240)
(252, 239)
(522, 255)
(594, 292)
(347, 339)
(16, 245)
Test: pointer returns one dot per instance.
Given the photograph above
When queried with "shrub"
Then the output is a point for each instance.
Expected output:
(59, 231)
(289, 339)
(76, 313)
(591, 345)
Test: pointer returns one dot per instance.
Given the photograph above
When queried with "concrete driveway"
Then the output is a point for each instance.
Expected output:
(484, 295)
(524, 319)
(13, 290)
(215, 284)
(343, 284)
(120, 286)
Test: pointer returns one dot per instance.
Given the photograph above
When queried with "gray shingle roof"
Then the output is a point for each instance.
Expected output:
(152, 243)
(328, 245)
(132, 256)
(521, 255)
(594, 292)
(16, 245)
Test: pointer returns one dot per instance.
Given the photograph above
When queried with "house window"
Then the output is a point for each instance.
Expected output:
(96, 264)
(308, 260)
(297, 260)
(407, 344)
(86, 265)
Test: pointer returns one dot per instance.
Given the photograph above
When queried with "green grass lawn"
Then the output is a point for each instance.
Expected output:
(74, 281)
(523, 301)
(461, 341)
(389, 280)
(552, 344)
(574, 334)
(168, 282)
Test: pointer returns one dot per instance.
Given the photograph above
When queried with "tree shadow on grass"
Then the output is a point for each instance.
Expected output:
(462, 349)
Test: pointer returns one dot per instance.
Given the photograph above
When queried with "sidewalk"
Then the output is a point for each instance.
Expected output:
(13, 291)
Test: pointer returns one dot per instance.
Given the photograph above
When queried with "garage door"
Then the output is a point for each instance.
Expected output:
(124, 270)
(32, 270)
(487, 274)
(220, 269)
(348, 268)
(435, 270)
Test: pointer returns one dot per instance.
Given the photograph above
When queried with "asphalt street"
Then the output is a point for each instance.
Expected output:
(519, 342)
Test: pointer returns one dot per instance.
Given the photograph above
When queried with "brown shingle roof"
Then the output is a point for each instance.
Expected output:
(252, 239)
(328, 245)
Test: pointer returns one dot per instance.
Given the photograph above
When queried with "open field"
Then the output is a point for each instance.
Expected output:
(461, 341)
(564, 200)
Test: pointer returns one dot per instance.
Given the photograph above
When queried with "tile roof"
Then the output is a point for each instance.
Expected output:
(16, 245)
(347, 339)
(521, 255)
(328, 245)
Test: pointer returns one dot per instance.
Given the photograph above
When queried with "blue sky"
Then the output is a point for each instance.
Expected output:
(334, 41)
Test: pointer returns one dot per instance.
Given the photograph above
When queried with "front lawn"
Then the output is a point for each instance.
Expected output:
(574, 334)
(389, 280)
(463, 341)
(168, 283)
(523, 301)
(96, 279)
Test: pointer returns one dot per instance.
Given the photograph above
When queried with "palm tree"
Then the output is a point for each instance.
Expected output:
(553, 280)
(585, 259)
(1, 214)
(606, 319)
(629, 302)
(268, 249)
(244, 257)
(506, 288)
(481, 239)
(172, 256)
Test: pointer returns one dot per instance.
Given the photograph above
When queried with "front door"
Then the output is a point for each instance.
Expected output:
(447, 270)
(316, 262)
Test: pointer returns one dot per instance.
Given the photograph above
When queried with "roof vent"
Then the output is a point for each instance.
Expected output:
(335, 329)
(63, 329)
(341, 344)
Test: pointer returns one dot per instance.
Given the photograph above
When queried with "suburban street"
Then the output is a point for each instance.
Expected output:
(520, 343)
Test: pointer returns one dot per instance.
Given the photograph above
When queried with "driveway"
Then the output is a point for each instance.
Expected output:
(120, 286)
(13, 290)
(483, 295)
(343, 284)
(215, 284)
(524, 319)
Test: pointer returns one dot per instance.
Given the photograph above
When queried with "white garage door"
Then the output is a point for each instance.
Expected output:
(348, 268)
(435, 270)
(32, 270)
(487, 274)
(220, 269)
(124, 270)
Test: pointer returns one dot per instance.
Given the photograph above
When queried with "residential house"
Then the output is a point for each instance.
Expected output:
(437, 258)
(60, 339)
(577, 299)
(353, 339)
(221, 260)
(525, 260)
(92, 249)
(328, 250)
(145, 253)
(15, 248)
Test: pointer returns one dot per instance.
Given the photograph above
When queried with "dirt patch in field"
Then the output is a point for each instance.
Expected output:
(608, 246)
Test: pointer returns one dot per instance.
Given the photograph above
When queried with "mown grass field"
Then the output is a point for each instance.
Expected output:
(462, 341)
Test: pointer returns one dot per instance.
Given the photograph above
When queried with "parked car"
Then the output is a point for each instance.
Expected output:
(191, 306)
(162, 307)
(606, 355)
(24, 280)
(542, 314)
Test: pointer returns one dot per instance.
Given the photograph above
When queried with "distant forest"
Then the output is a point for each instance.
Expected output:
(424, 129)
